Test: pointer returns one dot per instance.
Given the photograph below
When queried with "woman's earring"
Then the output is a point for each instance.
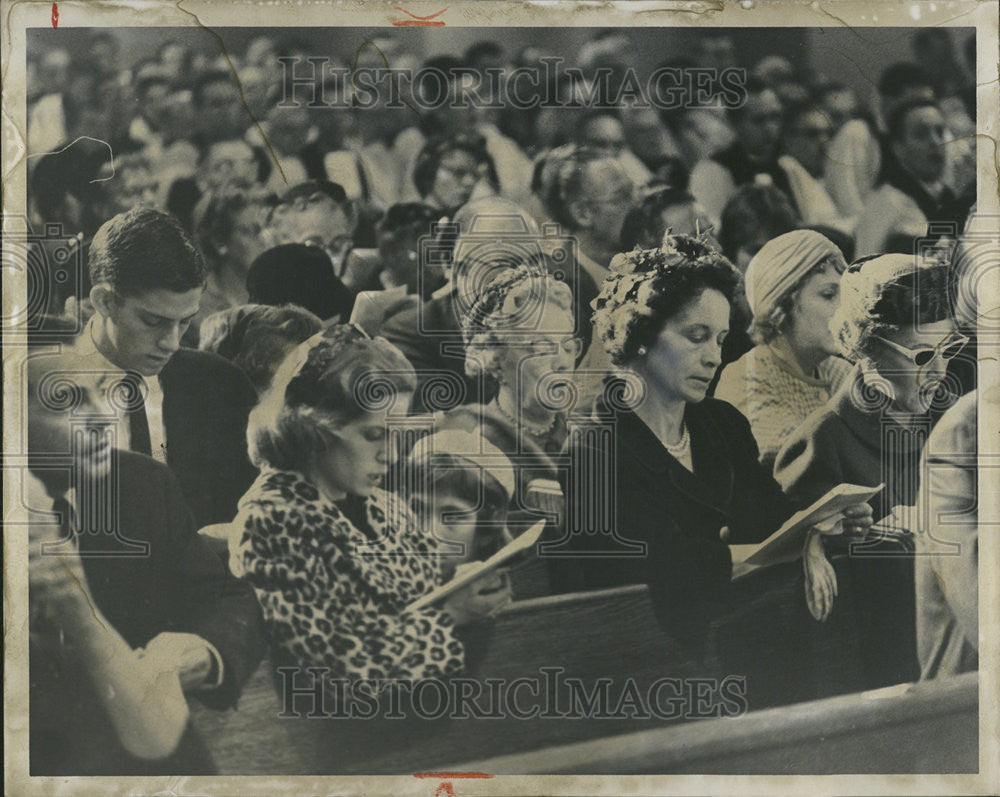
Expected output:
(642, 351)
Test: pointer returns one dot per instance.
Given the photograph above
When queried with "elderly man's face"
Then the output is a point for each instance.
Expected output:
(609, 194)
(315, 220)
(758, 127)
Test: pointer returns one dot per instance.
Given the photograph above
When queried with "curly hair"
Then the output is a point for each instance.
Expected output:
(327, 382)
(647, 287)
(510, 305)
(882, 294)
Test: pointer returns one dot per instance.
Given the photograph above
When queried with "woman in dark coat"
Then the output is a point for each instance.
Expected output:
(679, 473)
(895, 321)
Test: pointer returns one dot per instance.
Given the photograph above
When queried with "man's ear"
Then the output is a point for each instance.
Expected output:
(103, 299)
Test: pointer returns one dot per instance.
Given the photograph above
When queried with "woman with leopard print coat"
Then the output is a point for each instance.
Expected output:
(334, 559)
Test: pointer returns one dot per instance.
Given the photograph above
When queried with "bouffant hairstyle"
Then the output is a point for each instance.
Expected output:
(256, 337)
(647, 287)
(509, 307)
(330, 380)
(881, 295)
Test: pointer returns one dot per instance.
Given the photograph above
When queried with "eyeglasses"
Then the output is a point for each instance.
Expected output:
(921, 357)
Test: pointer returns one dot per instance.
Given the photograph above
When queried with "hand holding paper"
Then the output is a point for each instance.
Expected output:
(478, 599)
(475, 570)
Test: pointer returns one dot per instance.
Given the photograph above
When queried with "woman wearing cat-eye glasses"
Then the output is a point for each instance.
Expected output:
(896, 322)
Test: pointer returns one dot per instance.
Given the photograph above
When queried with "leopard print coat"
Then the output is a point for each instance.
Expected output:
(332, 596)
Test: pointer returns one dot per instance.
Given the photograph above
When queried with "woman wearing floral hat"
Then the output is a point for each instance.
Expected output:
(687, 480)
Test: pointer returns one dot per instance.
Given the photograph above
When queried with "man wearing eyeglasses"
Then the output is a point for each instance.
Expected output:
(751, 158)
(315, 213)
(895, 321)
(805, 143)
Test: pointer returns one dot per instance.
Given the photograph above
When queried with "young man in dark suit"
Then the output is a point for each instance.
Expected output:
(183, 407)
(130, 606)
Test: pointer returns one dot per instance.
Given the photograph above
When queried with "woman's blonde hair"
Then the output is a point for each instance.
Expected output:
(330, 380)
(512, 304)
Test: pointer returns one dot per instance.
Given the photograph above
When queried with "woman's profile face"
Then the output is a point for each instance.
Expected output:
(452, 520)
(553, 348)
(355, 460)
(682, 362)
(815, 304)
(914, 385)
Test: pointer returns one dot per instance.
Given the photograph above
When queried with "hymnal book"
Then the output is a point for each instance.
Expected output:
(511, 549)
(786, 543)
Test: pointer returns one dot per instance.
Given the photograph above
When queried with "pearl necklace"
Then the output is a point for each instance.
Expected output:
(520, 422)
(679, 449)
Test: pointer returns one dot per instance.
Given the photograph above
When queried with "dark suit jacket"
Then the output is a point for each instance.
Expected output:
(677, 514)
(155, 574)
(430, 336)
(206, 402)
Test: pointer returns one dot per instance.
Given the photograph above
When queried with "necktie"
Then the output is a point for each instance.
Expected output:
(68, 525)
(138, 424)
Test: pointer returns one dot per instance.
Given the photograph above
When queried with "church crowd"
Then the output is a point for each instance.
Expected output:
(320, 361)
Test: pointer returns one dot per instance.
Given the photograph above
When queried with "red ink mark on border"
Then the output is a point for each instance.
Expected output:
(55, 15)
(444, 788)
(420, 22)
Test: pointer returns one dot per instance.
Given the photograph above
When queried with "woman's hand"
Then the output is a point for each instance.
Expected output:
(857, 520)
(480, 599)
(821, 580)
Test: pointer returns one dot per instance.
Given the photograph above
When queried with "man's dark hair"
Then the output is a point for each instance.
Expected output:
(643, 225)
(407, 216)
(898, 78)
(895, 124)
(307, 188)
(143, 250)
(754, 208)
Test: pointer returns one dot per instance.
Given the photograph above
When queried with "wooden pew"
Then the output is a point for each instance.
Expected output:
(610, 634)
(929, 727)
